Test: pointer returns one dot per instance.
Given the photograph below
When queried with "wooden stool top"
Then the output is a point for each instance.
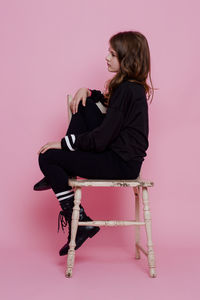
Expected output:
(110, 182)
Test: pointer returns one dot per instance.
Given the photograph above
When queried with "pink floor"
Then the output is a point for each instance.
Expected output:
(103, 272)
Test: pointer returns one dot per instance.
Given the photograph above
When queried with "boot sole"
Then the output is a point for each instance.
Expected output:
(41, 189)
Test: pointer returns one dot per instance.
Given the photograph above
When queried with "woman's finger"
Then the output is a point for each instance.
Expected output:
(45, 149)
(42, 148)
(84, 101)
(77, 104)
(73, 106)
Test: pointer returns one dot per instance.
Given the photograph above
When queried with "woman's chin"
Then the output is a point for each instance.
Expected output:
(110, 69)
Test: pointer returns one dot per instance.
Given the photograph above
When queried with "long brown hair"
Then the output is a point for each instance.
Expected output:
(134, 58)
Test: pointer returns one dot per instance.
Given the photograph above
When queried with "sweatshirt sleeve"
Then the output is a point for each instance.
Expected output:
(102, 136)
(96, 95)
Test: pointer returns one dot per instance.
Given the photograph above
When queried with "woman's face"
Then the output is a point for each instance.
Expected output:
(112, 60)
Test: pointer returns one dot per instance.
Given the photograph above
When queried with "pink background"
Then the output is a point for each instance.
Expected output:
(50, 48)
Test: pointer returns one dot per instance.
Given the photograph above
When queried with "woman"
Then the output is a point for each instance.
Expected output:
(107, 137)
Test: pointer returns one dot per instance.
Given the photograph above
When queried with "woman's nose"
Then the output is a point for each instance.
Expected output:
(107, 57)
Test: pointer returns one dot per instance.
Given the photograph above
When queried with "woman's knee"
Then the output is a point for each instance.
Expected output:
(46, 157)
(42, 160)
(89, 104)
(93, 116)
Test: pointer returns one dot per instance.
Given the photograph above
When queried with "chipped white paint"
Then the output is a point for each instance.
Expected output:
(111, 223)
(109, 182)
(147, 218)
(137, 218)
(74, 227)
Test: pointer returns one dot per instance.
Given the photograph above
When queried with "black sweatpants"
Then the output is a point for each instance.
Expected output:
(58, 165)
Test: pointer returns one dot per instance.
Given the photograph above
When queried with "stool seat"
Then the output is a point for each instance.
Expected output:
(110, 182)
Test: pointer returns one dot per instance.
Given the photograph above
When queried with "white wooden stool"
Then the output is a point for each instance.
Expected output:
(140, 188)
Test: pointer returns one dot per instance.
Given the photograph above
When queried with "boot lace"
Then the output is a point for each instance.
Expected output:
(62, 221)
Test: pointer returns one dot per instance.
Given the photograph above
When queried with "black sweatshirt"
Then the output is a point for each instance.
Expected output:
(124, 128)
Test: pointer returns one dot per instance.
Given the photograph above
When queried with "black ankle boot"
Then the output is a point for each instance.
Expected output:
(42, 185)
(83, 232)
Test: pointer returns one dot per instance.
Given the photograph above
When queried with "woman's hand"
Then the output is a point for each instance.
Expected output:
(80, 95)
(50, 145)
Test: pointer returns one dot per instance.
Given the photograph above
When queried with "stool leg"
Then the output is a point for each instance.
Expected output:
(137, 218)
(74, 227)
(147, 219)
